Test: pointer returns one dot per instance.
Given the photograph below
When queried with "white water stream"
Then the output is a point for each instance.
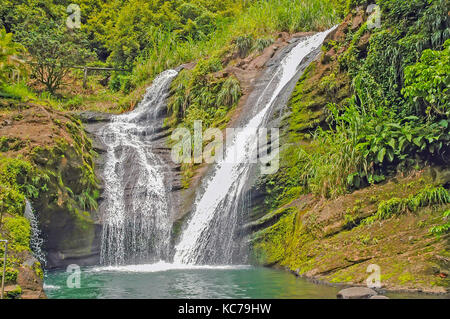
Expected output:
(136, 225)
(209, 236)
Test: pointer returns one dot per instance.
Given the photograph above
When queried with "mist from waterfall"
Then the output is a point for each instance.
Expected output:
(211, 236)
(136, 219)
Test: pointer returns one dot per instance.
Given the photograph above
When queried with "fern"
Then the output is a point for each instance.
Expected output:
(427, 197)
(444, 228)
(230, 92)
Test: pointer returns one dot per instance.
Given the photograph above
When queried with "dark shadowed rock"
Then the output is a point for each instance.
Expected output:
(356, 293)
(94, 117)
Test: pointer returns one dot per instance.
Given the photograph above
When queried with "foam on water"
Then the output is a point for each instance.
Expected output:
(163, 266)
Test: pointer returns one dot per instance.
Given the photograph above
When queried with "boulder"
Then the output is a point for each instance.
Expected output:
(356, 293)
(379, 297)
(94, 117)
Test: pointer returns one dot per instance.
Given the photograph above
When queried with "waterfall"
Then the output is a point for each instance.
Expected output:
(136, 219)
(36, 240)
(210, 236)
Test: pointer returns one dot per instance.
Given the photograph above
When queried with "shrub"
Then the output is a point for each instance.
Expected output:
(427, 82)
(262, 43)
(19, 232)
(230, 92)
(244, 45)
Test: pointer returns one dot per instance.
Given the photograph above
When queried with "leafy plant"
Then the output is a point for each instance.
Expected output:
(244, 44)
(230, 92)
(427, 82)
(444, 228)
(427, 197)
(10, 52)
(262, 43)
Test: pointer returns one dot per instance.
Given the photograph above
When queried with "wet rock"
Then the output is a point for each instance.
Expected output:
(363, 43)
(30, 283)
(440, 175)
(379, 297)
(33, 295)
(94, 117)
(329, 56)
(356, 293)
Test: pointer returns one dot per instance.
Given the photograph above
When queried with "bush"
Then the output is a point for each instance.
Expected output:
(244, 45)
(114, 83)
(19, 232)
(198, 95)
(427, 82)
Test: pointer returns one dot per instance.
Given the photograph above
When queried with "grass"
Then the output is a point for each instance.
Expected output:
(104, 100)
(429, 196)
(260, 19)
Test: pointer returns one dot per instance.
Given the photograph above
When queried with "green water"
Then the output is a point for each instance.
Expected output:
(197, 282)
(161, 281)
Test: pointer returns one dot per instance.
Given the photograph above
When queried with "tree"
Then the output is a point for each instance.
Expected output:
(54, 50)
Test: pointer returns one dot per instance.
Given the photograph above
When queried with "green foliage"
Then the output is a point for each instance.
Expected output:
(244, 45)
(119, 82)
(18, 179)
(10, 144)
(198, 95)
(15, 293)
(9, 56)
(17, 91)
(11, 273)
(262, 43)
(444, 228)
(427, 197)
(363, 146)
(54, 51)
(326, 170)
(427, 82)
(19, 232)
(230, 92)
(398, 115)
(234, 23)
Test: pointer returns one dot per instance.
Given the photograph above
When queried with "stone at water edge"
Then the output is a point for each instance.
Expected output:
(356, 293)
(379, 297)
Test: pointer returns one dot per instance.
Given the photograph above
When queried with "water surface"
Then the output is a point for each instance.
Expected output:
(182, 281)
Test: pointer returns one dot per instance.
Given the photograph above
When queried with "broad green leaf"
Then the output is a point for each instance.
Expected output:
(381, 154)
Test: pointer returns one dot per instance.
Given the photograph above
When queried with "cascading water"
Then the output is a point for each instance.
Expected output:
(36, 240)
(136, 218)
(210, 236)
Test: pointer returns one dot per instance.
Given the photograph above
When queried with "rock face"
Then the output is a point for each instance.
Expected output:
(70, 236)
(356, 293)
(30, 282)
